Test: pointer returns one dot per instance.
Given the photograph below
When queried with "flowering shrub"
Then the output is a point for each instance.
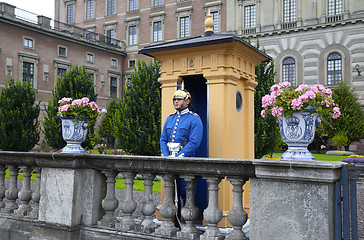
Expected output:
(80, 109)
(354, 159)
(284, 99)
(100, 147)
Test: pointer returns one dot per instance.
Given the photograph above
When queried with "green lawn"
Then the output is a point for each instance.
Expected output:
(320, 157)
(120, 183)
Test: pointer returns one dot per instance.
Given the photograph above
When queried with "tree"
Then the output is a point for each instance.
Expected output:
(77, 83)
(19, 126)
(107, 125)
(266, 130)
(138, 120)
(351, 121)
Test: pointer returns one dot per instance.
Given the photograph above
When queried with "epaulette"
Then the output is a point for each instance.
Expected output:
(194, 114)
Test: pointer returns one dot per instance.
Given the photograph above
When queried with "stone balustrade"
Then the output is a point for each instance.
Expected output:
(74, 197)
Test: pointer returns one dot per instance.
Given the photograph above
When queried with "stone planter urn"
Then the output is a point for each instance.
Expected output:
(298, 131)
(74, 133)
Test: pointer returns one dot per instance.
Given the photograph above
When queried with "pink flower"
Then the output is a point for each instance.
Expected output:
(310, 94)
(315, 89)
(301, 87)
(268, 100)
(277, 111)
(276, 90)
(77, 102)
(262, 113)
(104, 110)
(85, 101)
(329, 103)
(296, 104)
(286, 84)
(64, 100)
(336, 112)
(320, 87)
(64, 108)
(328, 92)
(93, 106)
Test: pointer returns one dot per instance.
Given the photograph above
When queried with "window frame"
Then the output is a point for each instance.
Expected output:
(90, 57)
(114, 60)
(334, 7)
(183, 33)
(251, 23)
(58, 51)
(26, 40)
(133, 5)
(70, 12)
(289, 70)
(332, 70)
(31, 59)
(133, 36)
(157, 34)
(110, 7)
(90, 10)
(289, 11)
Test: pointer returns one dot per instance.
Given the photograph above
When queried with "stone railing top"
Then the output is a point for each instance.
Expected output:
(157, 164)
(312, 171)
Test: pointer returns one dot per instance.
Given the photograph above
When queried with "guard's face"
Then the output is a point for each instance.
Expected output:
(180, 104)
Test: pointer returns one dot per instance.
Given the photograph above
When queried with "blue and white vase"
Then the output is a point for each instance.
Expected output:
(74, 133)
(298, 131)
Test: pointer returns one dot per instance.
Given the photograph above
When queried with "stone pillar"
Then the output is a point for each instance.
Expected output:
(70, 197)
(293, 199)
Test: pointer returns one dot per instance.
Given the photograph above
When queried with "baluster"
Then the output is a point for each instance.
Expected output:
(2, 186)
(189, 212)
(110, 203)
(237, 216)
(36, 195)
(128, 205)
(148, 206)
(25, 193)
(168, 209)
(212, 213)
(11, 193)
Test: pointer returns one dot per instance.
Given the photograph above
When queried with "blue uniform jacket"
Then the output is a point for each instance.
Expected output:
(182, 126)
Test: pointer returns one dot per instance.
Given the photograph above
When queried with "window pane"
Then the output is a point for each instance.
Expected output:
(249, 19)
(113, 87)
(334, 69)
(184, 27)
(61, 72)
(89, 9)
(110, 36)
(70, 9)
(132, 35)
(132, 5)
(157, 31)
(215, 17)
(289, 70)
(62, 51)
(157, 3)
(289, 10)
(334, 7)
(28, 73)
(110, 7)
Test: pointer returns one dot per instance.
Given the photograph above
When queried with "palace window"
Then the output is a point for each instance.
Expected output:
(334, 69)
(184, 27)
(132, 35)
(133, 6)
(215, 17)
(89, 9)
(28, 42)
(249, 16)
(110, 7)
(289, 70)
(334, 7)
(28, 73)
(289, 10)
(70, 13)
(157, 31)
(113, 87)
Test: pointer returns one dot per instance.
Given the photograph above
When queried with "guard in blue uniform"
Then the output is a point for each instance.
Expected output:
(181, 137)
